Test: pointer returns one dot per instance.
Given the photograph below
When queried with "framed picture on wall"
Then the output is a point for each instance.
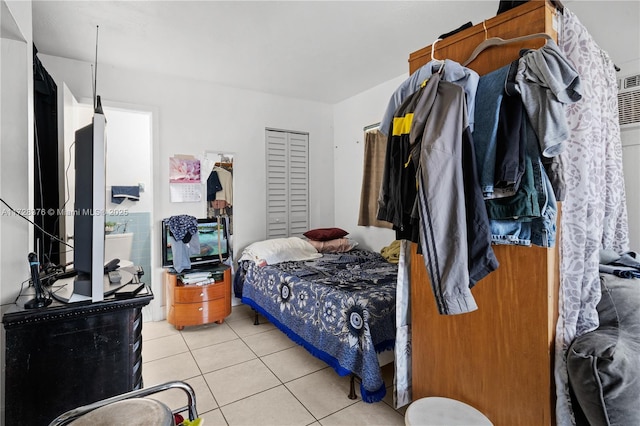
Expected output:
(184, 179)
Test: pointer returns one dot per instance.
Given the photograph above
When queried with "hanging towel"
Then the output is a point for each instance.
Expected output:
(121, 193)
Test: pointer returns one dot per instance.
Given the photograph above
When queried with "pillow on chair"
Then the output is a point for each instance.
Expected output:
(604, 364)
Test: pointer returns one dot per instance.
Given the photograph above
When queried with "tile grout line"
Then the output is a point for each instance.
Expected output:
(203, 379)
(219, 406)
(283, 384)
(289, 390)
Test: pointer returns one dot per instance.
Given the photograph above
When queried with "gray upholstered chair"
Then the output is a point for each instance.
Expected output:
(604, 364)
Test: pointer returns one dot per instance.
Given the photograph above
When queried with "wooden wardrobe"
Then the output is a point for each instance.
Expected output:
(499, 358)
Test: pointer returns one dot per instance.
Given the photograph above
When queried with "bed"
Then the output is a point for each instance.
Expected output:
(339, 306)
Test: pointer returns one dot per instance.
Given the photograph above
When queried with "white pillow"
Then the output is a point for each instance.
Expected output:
(280, 250)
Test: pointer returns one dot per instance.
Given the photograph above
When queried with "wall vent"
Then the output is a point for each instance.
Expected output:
(629, 101)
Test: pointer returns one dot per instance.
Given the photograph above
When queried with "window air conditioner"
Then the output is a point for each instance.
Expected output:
(629, 101)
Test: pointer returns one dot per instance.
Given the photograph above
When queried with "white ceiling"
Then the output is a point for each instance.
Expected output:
(323, 51)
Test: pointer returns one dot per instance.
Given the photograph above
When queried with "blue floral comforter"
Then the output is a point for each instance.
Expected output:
(340, 307)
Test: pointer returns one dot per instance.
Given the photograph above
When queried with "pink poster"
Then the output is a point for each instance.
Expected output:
(184, 170)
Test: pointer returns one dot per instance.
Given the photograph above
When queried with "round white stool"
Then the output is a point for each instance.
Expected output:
(438, 411)
(134, 411)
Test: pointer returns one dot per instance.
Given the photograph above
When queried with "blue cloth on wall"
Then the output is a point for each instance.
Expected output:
(121, 193)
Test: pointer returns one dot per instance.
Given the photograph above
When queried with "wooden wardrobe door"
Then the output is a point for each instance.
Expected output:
(499, 358)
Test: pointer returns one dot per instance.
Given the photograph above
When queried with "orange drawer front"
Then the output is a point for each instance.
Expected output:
(199, 313)
(194, 293)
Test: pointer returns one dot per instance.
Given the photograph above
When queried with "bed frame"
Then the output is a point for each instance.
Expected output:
(346, 317)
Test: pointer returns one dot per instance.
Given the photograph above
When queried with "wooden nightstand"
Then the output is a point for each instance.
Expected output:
(193, 304)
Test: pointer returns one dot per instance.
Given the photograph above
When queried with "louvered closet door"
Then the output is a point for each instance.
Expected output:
(298, 184)
(287, 183)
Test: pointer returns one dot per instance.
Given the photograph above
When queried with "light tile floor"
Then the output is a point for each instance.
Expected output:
(254, 375)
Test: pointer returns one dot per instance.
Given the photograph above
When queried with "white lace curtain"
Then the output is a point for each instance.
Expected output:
(594, 213)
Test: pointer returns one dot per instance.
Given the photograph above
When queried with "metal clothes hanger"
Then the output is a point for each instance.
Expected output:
(497, 41)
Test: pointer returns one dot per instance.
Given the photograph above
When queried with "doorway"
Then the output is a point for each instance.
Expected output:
(128, 163)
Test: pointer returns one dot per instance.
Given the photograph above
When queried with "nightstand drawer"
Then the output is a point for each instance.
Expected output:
(194, 293)
(199, 313)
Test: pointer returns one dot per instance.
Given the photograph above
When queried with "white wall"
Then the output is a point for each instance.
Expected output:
(129, 144)
(193, 117)
(16, 152)
(349, 119)
(630, 137)
(128, 154)
(128, 160)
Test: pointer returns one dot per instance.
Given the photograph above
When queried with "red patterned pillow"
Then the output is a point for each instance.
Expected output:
(325, 234)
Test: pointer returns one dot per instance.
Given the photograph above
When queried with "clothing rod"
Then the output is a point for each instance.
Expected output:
(371, 126)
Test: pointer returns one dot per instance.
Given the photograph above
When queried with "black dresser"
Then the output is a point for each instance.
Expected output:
(67, 355)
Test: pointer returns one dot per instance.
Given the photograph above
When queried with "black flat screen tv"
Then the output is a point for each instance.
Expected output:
(214, 244)
(89, 206)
